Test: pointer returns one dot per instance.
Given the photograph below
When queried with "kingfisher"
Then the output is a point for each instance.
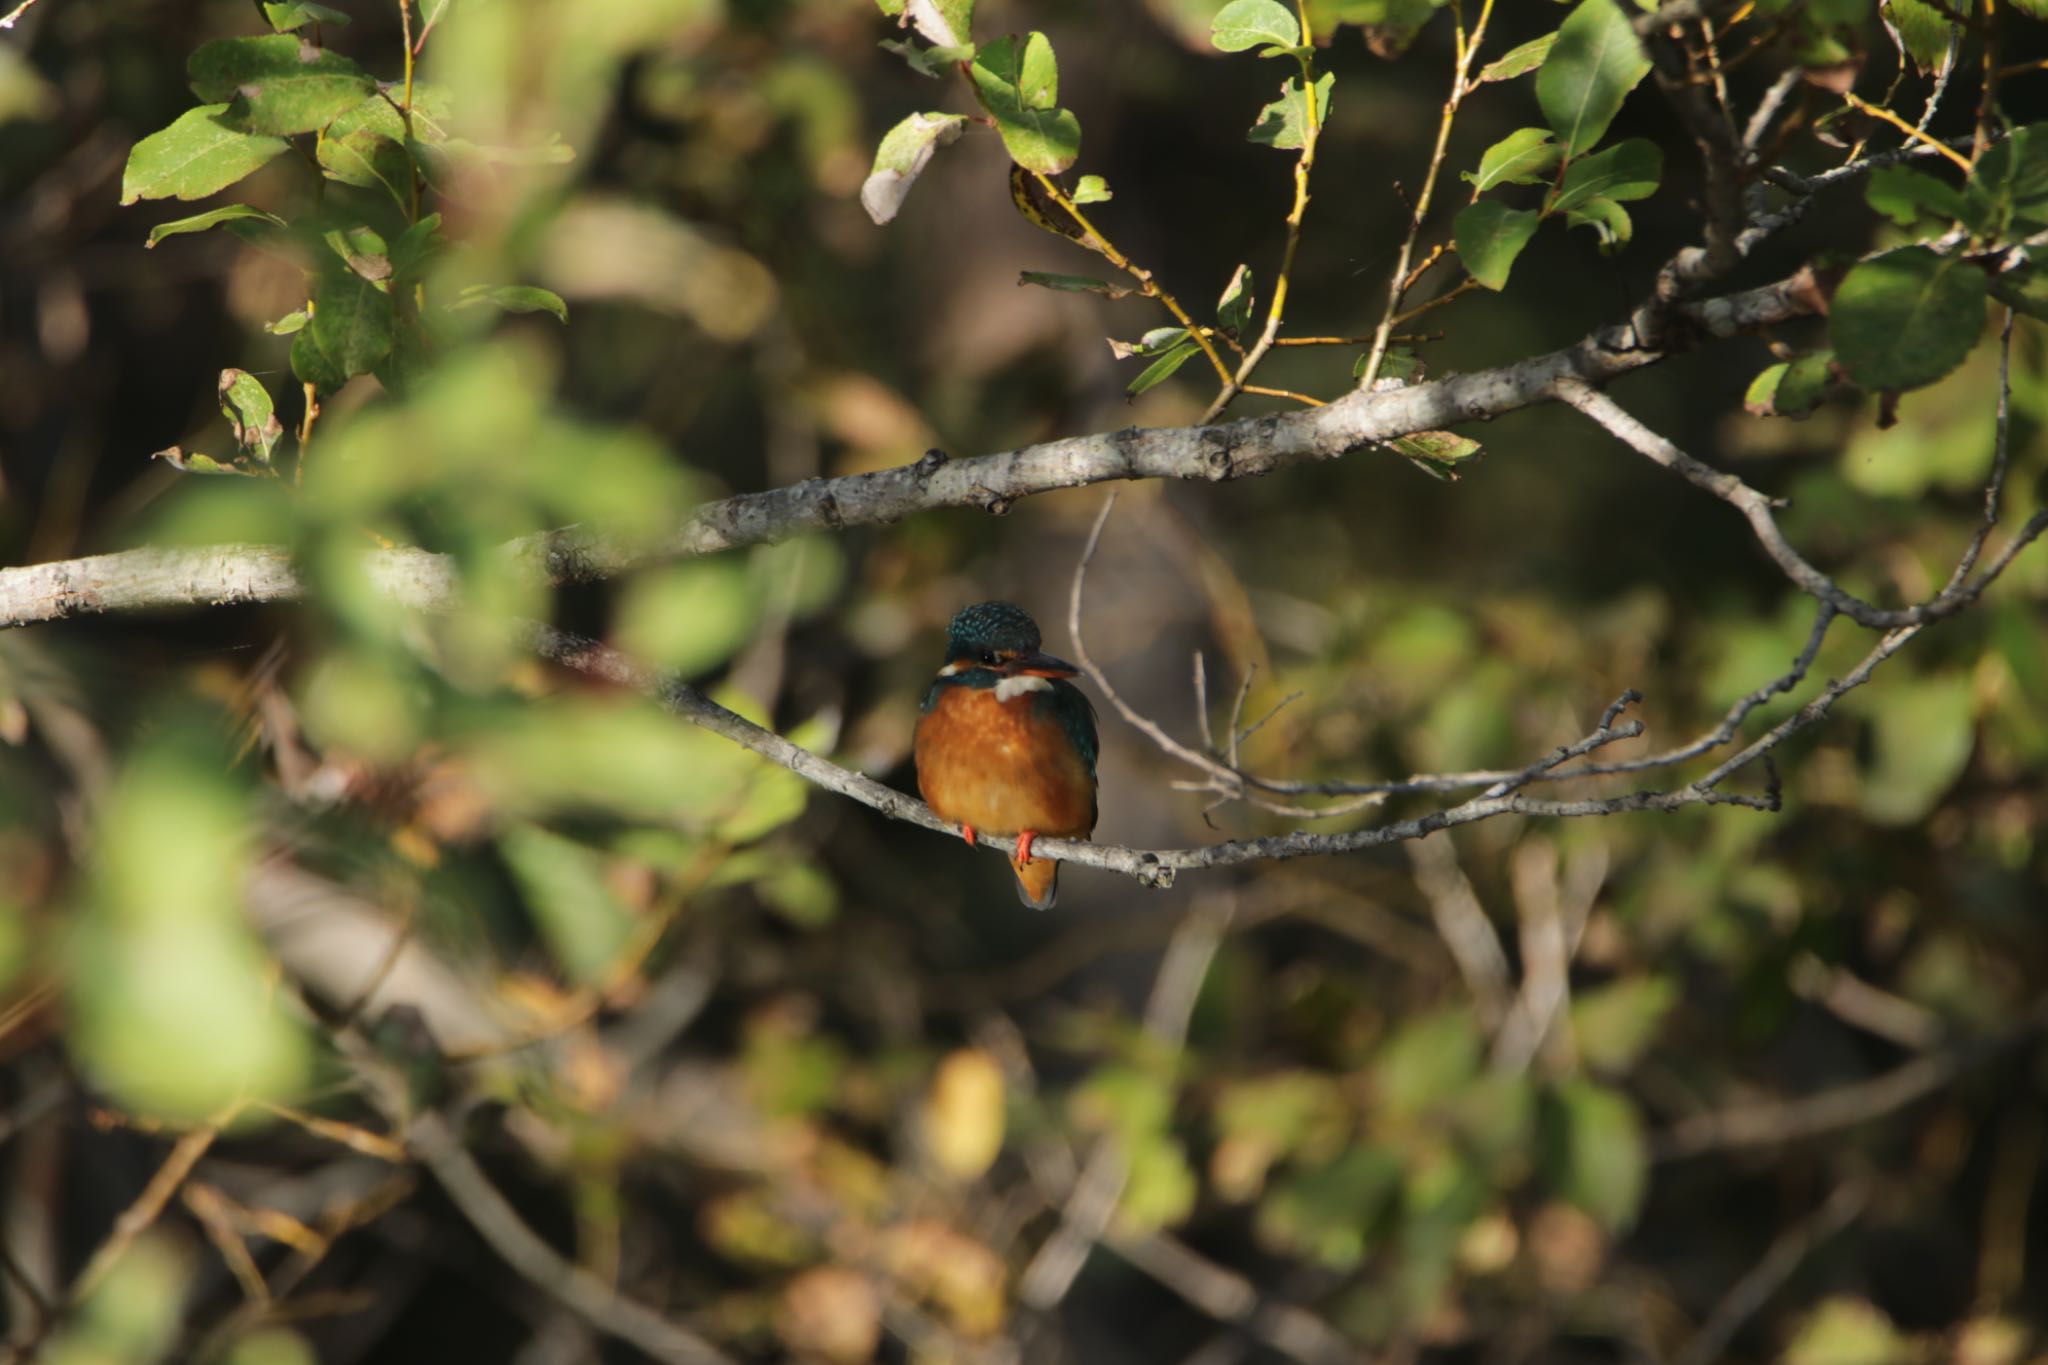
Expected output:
(1005, 744)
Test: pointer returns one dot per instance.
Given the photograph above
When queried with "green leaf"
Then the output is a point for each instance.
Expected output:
(1922, 732)
(1234, 309)
(1284, 123)
(585, 924)
(1436, 453)
(1019, 86)
(246, 404)
(1161, 369)
(1613, 1025)
(1161, 1188)
(1072, 284)
(170, 1010)
(1328, 1213)
(361, 250)
(416, 246)
(1607, 218)
(312, 365)
(2024, 290)
(1793, 388)
(930, 61)
(277, 84)
(690, 617)
(289, 323)
(905, 151)
(1906, 318)
(1627, 170)
(2009, 184)
(196, 463)
(352, 322)
(1390, 26)
(1849, 1331)
(514, 298)
(1593, 1151)
(1155, 342)
(1589, 71)
(1519, 61)
(299, 13)
(199, 222)
(1488, 236)
(1906, 196)
(1526, 156)
(1243, 24)
(1093, 189)
(943, 23)
(1921, 31)
(194, 157)
(367, 158)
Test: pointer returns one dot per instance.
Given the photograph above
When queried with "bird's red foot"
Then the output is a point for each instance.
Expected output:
(967, 833)
(1024, 839)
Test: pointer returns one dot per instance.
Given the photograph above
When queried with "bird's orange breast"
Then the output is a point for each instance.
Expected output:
(1002, 766)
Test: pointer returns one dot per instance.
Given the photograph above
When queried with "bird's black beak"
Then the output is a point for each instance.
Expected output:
(1039, 665)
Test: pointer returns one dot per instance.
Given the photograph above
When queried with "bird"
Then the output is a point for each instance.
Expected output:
(1005, 744)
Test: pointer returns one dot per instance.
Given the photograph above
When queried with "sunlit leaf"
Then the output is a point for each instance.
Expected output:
(278, 84)
(514, 298)
(299, 13)
(1019, 86)
(1284, 123)
(1526, 156)
(194, 157)
(1520, 60)
(905, 151)
(199, 222)
(1244, 24)
(1594, 1151)
(1588, 72)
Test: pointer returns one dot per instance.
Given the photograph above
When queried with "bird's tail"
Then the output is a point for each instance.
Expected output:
(1038, 882)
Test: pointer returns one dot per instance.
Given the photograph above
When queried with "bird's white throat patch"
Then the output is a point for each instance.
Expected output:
(1009, 689)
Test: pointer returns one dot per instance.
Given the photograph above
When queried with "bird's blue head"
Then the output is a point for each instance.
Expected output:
(999, 638)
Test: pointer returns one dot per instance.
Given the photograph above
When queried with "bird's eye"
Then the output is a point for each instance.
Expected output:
(988, 656)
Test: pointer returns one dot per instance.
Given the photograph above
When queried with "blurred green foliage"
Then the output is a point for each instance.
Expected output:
(805, 1080)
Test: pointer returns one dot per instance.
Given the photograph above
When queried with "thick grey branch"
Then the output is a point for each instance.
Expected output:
(136, 579)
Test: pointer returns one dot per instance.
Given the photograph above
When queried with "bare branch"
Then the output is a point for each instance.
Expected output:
(1768, 1125)
(1758, 511)
(1462, 924)
(1769, 1274)
(214, 575)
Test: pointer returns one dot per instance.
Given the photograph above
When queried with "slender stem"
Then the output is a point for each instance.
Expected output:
(1461, 86)
(306, 425)
(405, 108)
(1301, 398)
(1304, 164)
(1147, 285)
(1884, 115)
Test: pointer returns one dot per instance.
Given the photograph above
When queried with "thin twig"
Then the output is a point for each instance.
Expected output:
(1092, 1203)
(1787, 1252)
(1276, 308)
(1462, 924)
(1843, 1106)
(1462, 85)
